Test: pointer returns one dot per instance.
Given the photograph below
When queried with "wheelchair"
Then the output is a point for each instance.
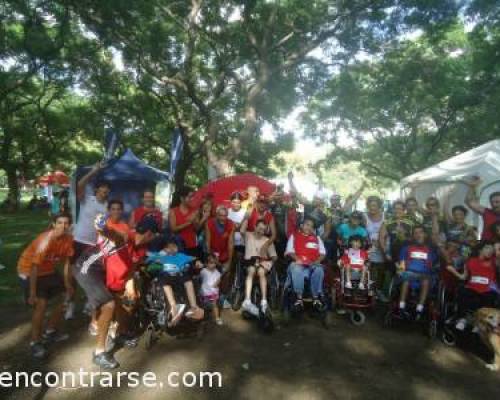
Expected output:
(154, 310)
(355, 300)
(288, 298)
(431, 315)
(447, 298)
(238, 287)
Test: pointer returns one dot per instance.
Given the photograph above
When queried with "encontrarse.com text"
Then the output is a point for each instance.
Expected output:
(106, 379)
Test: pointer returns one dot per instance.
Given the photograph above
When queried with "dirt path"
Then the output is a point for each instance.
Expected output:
(302, 361)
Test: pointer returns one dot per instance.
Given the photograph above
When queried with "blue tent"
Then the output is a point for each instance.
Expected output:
(128, 177)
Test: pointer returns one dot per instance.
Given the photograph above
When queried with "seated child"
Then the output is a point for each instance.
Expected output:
(176, 269)
(307, 252)
(355, 258)
(415, 263)
(480, 289)
(257, 260)
(210, 280)
(41, 281)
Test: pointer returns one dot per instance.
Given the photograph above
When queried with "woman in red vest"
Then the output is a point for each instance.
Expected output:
(147, 209)
(185, 221)
(480, 289)
(307, 252)
(219, 236)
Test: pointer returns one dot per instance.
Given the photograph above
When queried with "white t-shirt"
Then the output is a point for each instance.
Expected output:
(208, 279)
(373, 229)
(84, 231)
(237, 217)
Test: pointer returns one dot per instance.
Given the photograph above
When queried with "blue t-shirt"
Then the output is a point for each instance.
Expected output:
(171, 263)
(418, 258)
(345, 231)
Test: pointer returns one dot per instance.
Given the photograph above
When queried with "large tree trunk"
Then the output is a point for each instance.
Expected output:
(183, 166)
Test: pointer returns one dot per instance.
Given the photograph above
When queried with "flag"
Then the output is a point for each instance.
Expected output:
(176, 153)
(111, 142)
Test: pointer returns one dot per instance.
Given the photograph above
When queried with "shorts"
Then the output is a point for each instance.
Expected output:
(92, 280)
(251, 263)
(356, 274)
(175, 279)
(407, 276)
(210, 299)
(47, 286)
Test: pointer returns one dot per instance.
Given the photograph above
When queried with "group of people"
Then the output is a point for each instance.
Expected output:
(102, 252)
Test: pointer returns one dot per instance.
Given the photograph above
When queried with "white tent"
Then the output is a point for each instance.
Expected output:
(447, 177)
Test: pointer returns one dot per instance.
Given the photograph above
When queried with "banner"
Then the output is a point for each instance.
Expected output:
(176, 153)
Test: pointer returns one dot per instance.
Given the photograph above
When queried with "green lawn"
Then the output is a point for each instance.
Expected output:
(16, 230)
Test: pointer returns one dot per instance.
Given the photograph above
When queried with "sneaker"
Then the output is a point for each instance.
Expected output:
(382, 297)
(318, 305)
(419, 315)
(196, 314)
(226, 304)
(179, 310)
(70, 311)
(54, 337)
(87, 309)
(92, 329)
(340, 311)
(219, 322)
(38, 350)
(127, 341)
(475, 329)
(461, 323)
(361, 286)
(298, 306)
(249, 307)
(105, 360)
(264, 306)
(348, 285)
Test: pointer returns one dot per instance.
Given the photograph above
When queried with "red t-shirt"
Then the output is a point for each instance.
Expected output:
(255, 216)
(140, 212)
(188, 234)
(489, 218)
(482, 274)
(356, 259)
(306, 247)
(219, 239)
(118, 264)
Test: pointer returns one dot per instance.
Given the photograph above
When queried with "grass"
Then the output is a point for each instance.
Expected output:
(16, 231)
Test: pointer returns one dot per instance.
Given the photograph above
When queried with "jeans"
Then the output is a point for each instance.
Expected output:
(314, 272)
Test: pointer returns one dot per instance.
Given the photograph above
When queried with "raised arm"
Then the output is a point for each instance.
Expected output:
(82, 183)
(471, 199)
(294, 191)
(353, 198)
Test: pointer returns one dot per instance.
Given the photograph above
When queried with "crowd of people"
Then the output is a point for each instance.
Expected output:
(300, 238)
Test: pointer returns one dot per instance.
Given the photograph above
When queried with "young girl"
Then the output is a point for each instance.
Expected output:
(210, 280)
(480, 289)
(355, 258)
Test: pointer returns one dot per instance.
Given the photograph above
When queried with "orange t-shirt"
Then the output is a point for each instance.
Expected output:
(120, 226)
(45, 251)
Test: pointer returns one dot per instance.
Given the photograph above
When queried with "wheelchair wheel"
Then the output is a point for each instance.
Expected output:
(432, 329)
(448, 337)
(236, 299)
(388, 319)
(149, 337)
(358, 318)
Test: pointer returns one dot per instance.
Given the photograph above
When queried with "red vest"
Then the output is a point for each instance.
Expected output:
(489, 218)
(306, 247)
(219, 241)
(188, 234)
(482, 274)
(141, 212)
(255, 216)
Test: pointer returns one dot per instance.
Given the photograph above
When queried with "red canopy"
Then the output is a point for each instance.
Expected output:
(54, 178)
(221, 189)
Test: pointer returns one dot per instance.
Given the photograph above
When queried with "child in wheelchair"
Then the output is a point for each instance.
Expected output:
(176, 270)
(257, 261)
(307, 251)
(415, 267)
(210, 281)
(480, 288)
(355, 263)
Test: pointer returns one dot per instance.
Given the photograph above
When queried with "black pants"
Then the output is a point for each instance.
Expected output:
(470, 301)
